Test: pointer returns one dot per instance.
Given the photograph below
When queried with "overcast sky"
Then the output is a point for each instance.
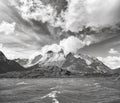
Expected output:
(26, 27)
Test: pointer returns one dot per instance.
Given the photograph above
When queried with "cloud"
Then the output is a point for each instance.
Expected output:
(91, 13)
(38, 23)
(79, 13)
(35, 9)
(7, 28)
(90, 39)
(113, 51)
(14, 53)
(71, 44)
(111, 61)
(53, 47)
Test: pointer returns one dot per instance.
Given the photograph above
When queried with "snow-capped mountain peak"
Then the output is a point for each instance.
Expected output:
(73, 62)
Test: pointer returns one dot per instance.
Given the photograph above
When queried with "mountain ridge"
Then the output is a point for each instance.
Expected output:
(71, 62)
(7, 65)
(70, 65)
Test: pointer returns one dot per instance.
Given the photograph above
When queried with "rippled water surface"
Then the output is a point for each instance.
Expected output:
(64, 90)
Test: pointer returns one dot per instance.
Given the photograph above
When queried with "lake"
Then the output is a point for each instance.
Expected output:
(60, 90)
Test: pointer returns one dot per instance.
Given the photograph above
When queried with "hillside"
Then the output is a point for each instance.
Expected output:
(9, 65)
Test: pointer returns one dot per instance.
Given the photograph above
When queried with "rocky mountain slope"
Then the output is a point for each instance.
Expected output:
(53, 65)
(8, 65)
(116, 71)
(79, 63)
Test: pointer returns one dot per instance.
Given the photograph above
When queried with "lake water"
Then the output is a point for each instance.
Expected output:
(64, 90)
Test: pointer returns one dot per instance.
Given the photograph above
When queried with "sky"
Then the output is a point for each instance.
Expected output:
(31, 27)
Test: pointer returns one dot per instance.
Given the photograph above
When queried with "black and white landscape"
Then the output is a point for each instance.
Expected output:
(59, 51)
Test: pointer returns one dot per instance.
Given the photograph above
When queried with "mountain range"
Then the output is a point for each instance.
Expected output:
(52, 64)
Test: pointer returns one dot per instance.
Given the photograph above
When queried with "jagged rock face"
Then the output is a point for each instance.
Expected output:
(52, 59)
(54, 65)
(84, 64)
(74, 63)
(49, 59)
(50, 54)
(36, 59)
(22, 62)
(8, 65)
(99, 66)
(2, 57)
(29, 62)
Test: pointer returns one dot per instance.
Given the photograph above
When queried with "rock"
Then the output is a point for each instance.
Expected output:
(8, 65)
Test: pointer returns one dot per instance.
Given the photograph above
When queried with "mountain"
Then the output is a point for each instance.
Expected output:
(22, 62)
(28, 62)
(116, 71)
(38, 72)
(48, 71)
(49, 59)
(82, 64)
(75, 63)
(12, 69)
(8, 65)
(53, 64)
